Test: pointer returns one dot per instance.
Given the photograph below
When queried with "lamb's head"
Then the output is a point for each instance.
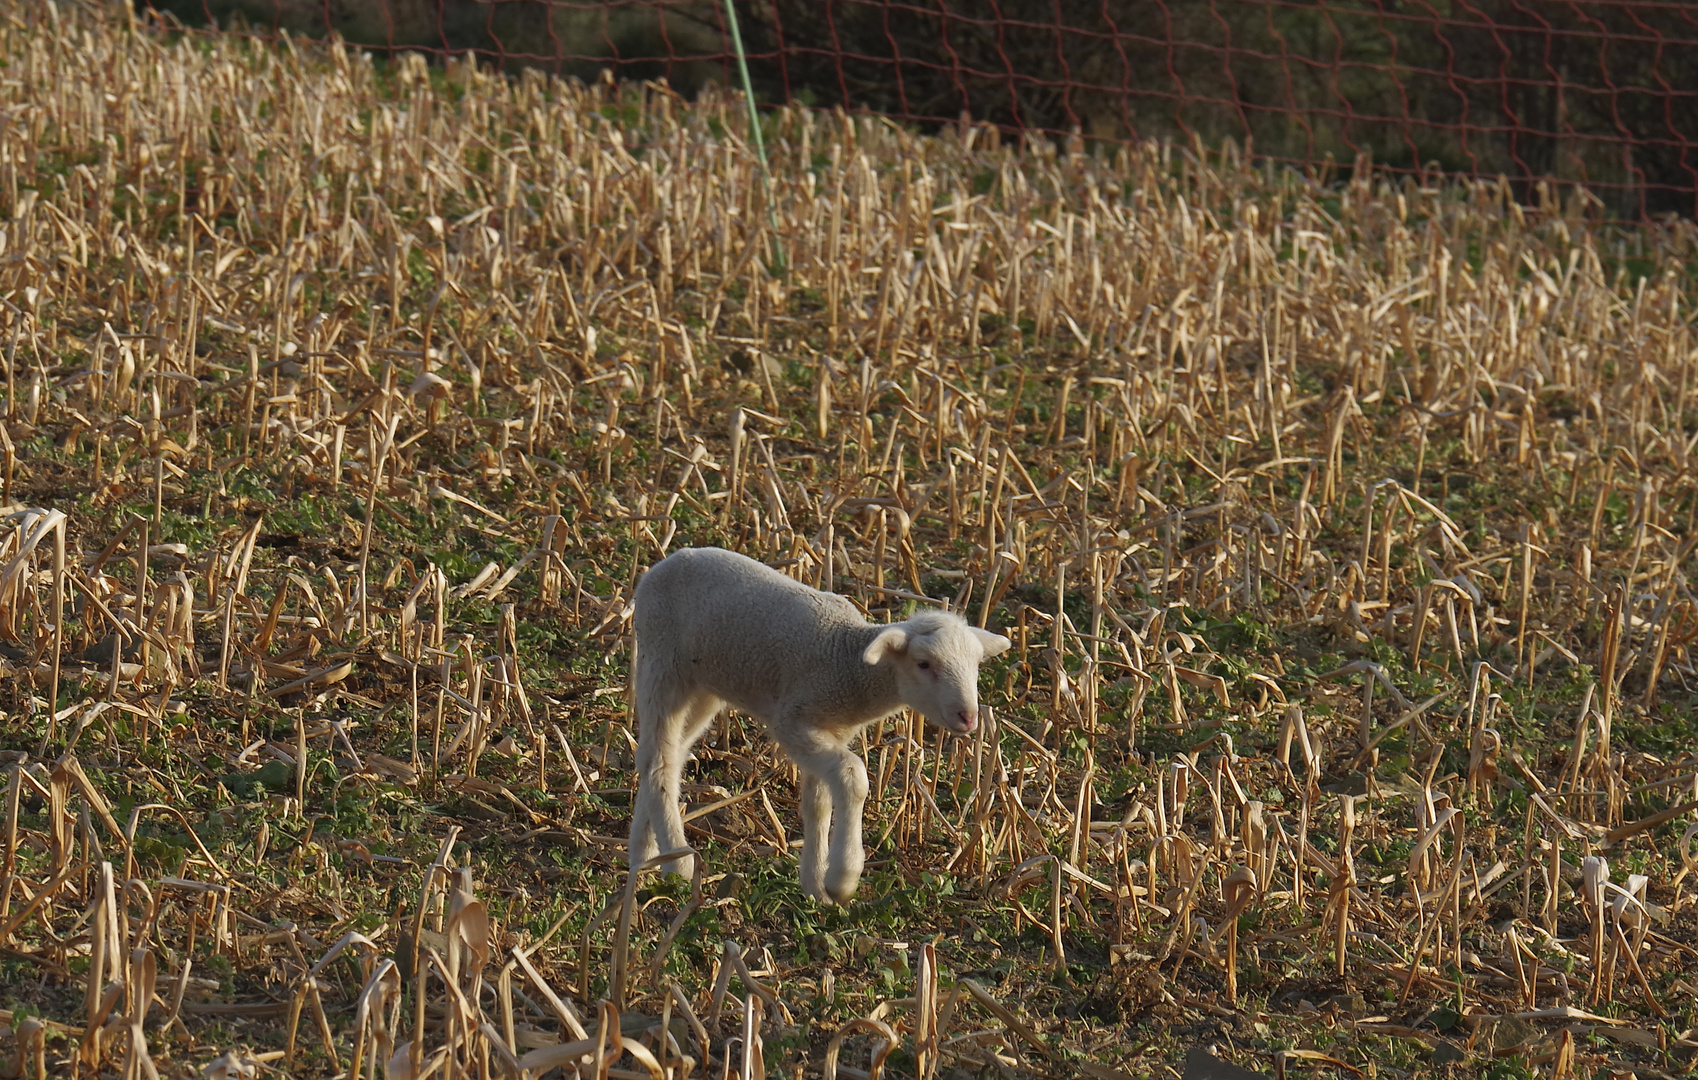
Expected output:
(935, 657)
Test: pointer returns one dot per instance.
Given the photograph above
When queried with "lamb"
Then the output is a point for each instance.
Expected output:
(718, 629)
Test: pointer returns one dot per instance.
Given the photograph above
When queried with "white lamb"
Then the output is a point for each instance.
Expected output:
(715, 628)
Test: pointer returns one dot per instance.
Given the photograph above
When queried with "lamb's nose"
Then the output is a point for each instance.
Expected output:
(969, 719)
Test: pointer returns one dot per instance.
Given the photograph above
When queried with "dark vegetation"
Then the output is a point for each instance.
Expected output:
(1596, 94)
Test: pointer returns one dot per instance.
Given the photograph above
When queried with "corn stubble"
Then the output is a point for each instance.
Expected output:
(1424, 449)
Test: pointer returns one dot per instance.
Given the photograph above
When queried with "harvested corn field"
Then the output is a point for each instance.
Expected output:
(1340, 529)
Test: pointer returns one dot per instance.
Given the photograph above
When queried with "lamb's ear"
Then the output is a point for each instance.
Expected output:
(989, 642)
(893, 639)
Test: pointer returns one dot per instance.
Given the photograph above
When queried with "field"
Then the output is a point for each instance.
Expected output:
(1341, 528)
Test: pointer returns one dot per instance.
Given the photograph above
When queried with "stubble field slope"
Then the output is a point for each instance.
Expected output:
(1341, 528)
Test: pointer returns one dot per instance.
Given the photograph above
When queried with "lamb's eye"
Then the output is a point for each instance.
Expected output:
(925, 665)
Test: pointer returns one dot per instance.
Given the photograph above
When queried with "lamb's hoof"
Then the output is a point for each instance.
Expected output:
(819, 891)
(685, 867)
(841, 892)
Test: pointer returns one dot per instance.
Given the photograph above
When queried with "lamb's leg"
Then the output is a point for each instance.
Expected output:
(843, 775)
(815, 799)
(662, 777)
(848, 857)
(641, 847)
(650, 783)
(662, 743)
